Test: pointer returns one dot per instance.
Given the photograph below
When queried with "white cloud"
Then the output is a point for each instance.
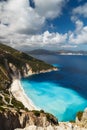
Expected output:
(79, 36)
(20, 17)
(81, 10)
(50, 8)
(79, 26)
(40, 40)
(48, 38)
(20, 23)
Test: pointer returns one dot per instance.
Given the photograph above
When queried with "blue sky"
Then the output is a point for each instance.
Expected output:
(50, 24)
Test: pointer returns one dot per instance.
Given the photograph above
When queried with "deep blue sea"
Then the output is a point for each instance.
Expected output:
(62, 93)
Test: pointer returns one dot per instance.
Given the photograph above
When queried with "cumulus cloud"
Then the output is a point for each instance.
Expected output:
(79, 26)
(48, 38)
(20, 17)
(79, 36)
(81, 10)
(50, 8)
(20, 24)
(45, 39)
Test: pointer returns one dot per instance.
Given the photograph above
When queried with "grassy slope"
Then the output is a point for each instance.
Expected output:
(20, 58)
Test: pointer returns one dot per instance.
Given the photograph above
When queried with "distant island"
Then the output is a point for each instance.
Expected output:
(17, 111)
(59, 52)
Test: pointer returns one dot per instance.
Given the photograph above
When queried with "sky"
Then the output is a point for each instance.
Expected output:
(50, 24)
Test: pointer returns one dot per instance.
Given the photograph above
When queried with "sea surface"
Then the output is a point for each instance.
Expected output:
(63, 92)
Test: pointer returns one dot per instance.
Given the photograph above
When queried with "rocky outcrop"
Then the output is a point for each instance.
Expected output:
(37, 120)
(16, 73)
(80, 124)
(25, 71)
(62, 126)
(82, 119)
(10, 120)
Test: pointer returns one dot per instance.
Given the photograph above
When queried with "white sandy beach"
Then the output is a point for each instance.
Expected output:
(19, 94)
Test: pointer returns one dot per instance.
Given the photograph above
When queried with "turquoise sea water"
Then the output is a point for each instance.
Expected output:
(57, 93)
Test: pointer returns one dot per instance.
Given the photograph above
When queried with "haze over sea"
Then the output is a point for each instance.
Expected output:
(62, 93)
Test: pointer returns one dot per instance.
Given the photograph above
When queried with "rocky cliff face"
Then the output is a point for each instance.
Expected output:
(80, 124)
(81, 119)
(10, 120)
(16, 73)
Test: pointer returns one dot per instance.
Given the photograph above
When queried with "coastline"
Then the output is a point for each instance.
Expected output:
(18, 92)
(42, 71)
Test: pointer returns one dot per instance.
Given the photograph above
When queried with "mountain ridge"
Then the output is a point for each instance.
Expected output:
(59, 52)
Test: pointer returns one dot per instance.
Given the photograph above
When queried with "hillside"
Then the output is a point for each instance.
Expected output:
(12, 60)
(59, 52)
(41, 52)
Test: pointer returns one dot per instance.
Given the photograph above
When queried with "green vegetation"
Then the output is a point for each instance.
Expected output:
(17, 104)
(79, 115)
(2, 109)
(51, 118)
(1, 102)
(36, 113)
(72, 121)
(19, 59)
(42, 111)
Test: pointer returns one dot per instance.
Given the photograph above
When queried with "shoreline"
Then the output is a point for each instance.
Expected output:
(42, 71)
(20, 95)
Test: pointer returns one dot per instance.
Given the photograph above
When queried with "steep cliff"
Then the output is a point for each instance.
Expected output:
(12, 119)
(79, 124)
(81, 118)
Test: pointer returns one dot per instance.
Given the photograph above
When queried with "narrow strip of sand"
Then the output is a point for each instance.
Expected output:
(19, 94)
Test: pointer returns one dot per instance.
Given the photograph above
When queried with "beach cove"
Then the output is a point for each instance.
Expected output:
(55, 92)
(47, 91)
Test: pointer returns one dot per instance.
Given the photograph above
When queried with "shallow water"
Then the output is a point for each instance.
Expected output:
(63, 92)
